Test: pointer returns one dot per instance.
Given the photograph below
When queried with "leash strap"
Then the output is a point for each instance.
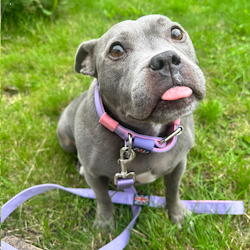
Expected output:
(129, 197)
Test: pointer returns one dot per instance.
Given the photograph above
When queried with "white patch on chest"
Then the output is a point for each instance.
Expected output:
(146, 177)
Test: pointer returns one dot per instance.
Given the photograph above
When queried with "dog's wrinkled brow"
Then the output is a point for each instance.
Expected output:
(124, 35)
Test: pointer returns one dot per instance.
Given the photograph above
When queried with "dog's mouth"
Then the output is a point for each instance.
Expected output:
(170, 109)
(176, 104)
(166, 100)
(177, 93)
(175, 98)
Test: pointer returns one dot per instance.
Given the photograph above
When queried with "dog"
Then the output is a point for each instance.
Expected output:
(147, 75)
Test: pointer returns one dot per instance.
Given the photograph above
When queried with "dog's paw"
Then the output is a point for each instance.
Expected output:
(186, 224)
(103, 224)
(177, 213)
(191, 225)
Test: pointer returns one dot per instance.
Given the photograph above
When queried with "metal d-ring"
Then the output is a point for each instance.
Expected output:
(178, 131)
(128, 145)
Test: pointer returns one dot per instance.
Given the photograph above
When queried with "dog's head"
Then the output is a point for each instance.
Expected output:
(137, 62)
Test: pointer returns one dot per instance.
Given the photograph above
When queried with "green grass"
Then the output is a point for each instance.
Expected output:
(37, 68)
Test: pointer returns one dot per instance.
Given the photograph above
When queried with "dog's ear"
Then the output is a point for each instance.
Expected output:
(85, 59)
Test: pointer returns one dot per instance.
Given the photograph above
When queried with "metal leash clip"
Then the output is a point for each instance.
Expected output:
(125, 152)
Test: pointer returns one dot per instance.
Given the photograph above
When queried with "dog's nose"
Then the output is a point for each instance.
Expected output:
(164, 60)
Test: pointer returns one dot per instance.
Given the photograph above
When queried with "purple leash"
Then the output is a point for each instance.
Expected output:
(129, 197)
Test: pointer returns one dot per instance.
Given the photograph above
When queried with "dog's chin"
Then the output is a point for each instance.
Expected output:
(167, 111)
(164, 112)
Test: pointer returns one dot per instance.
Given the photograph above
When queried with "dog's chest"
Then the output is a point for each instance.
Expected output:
(146, 177)
(150, 167)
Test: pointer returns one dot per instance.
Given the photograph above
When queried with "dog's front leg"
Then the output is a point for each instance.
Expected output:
(175, 208)
(104, 213)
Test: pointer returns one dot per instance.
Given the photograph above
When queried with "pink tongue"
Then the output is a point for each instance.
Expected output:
(176, 93)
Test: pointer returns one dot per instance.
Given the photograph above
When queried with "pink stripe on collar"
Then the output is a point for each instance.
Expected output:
(108, 122)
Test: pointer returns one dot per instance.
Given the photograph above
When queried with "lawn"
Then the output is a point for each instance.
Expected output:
(38, 81)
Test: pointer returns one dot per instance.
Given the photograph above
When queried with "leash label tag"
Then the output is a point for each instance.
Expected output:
(141, 150)
(140, 199)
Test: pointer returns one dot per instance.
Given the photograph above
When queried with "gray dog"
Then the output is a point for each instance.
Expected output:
(147, 76)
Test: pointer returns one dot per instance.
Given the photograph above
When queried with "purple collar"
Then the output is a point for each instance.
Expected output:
(140, 143)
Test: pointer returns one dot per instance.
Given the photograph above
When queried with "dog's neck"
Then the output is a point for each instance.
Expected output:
(150, 129)
(143, 141)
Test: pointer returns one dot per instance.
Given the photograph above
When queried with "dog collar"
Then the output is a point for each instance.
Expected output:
(140, 143)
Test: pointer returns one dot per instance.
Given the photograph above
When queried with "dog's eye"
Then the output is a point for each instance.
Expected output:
(117, 50)
(176, 34)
